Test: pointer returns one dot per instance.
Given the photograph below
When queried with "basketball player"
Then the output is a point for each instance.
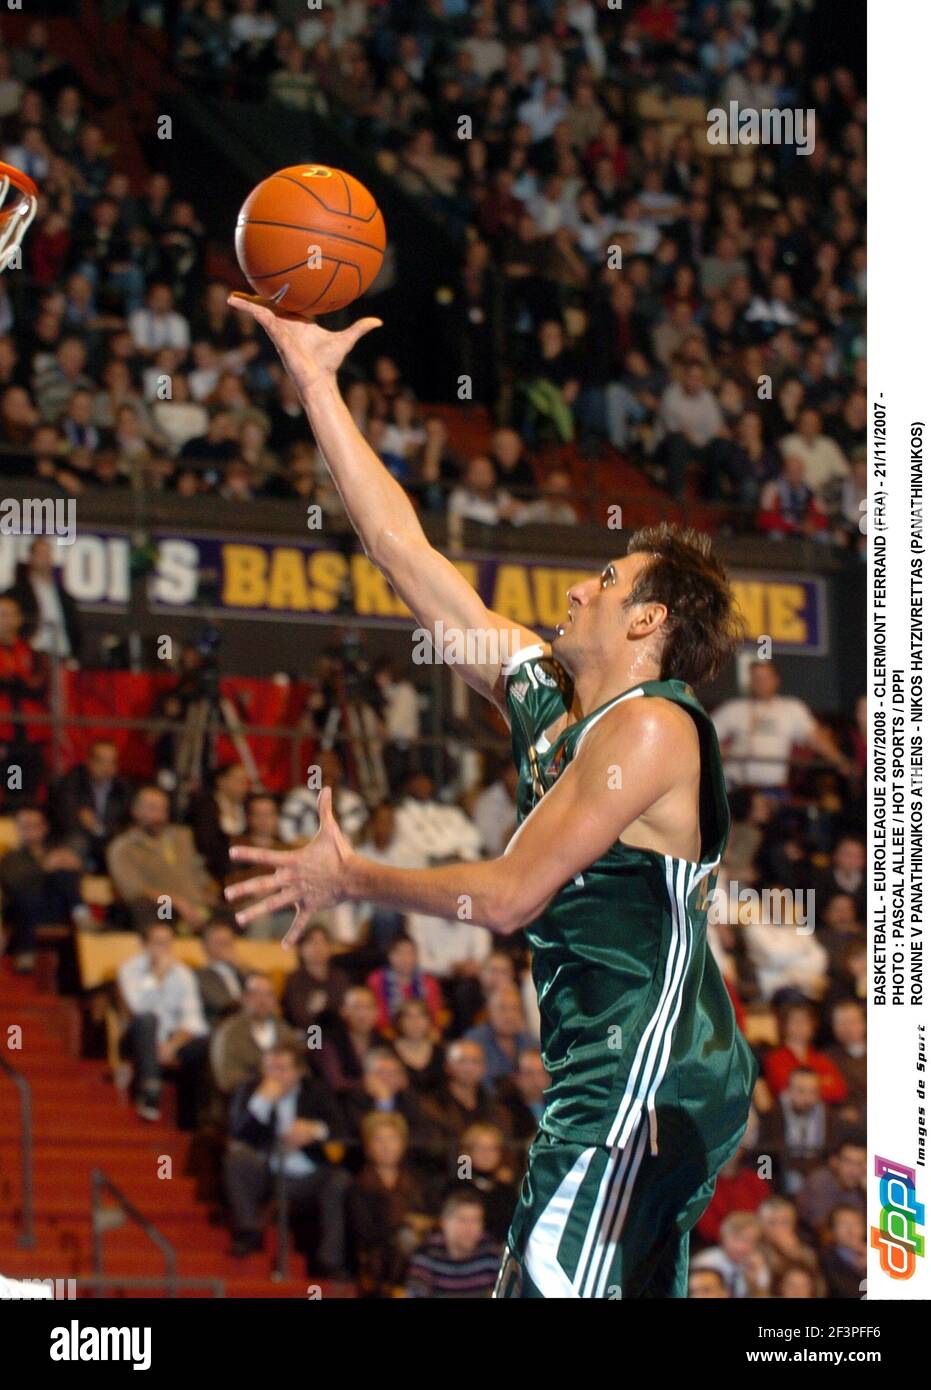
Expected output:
(623, 820)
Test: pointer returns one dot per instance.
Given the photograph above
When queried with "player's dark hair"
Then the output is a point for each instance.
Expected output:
(702, 625)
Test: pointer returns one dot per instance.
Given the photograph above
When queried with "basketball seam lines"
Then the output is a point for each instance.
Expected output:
(326, 287)
(302, 265)
(348, 190)
(303, 186)
(296, 227)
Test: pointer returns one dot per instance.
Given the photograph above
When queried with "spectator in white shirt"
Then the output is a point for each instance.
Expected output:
(824, 462)
(159, 325)
(487, 50)
(478, 498)
(774, 310)
(167, 1027)
(178, 418)
(543, 111)
(549, 207)
(637, 223)
(692, 421)
(758, 731)
(252, 26)
(786, 957)
(299, 822)
(205, 372)
(440, 833)
(553, 507)
(448, 949)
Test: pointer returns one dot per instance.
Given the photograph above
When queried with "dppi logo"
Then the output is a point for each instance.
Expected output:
(896, 1237)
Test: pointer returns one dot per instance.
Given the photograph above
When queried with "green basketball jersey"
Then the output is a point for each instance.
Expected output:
(635, 1019)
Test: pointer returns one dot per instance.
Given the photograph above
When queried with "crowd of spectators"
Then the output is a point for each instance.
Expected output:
(705, 314)
(620, 282)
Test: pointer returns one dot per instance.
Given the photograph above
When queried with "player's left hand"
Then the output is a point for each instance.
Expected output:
(311, 878)
(308, 351)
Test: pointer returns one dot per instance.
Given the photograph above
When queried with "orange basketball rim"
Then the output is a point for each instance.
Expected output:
(19, 199)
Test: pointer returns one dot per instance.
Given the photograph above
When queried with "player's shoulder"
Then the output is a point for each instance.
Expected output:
(650, 725)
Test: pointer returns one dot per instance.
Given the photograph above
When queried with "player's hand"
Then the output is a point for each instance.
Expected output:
(308, 351)
(309, 879)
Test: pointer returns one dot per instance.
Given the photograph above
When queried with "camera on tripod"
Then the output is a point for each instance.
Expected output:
(207, 715)
(205, 682)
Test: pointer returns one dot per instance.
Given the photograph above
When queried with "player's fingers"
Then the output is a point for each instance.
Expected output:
(248, 303)
(264, 311)
(282, 899)
(325, 809)
(357, 330)
(250, 854)
(297, 928)
(251, 887)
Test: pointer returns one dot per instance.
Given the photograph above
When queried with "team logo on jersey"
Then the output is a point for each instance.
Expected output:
(544, 677)
(519, 690)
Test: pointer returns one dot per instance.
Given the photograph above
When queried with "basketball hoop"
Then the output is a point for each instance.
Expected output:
(18, 202)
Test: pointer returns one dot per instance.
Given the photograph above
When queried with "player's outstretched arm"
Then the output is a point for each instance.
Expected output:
(378, 507)
(575, 823)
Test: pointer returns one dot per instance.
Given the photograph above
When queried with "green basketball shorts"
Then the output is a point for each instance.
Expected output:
(604, 1223)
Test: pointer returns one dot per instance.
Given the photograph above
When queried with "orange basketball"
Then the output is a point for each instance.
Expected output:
(311, 238)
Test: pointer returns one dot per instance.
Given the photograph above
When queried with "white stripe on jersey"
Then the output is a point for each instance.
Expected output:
(638, 1081)
(541, 1253)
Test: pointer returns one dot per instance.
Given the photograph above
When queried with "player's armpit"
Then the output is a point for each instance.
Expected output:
(631, 758)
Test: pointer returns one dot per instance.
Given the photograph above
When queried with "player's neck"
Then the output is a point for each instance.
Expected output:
(597, 687)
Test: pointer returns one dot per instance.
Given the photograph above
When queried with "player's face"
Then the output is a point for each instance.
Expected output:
(595, 619)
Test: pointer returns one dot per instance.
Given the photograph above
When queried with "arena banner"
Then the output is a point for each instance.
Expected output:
(290, 581)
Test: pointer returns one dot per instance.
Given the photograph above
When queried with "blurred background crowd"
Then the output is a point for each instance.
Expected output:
(622, 292)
